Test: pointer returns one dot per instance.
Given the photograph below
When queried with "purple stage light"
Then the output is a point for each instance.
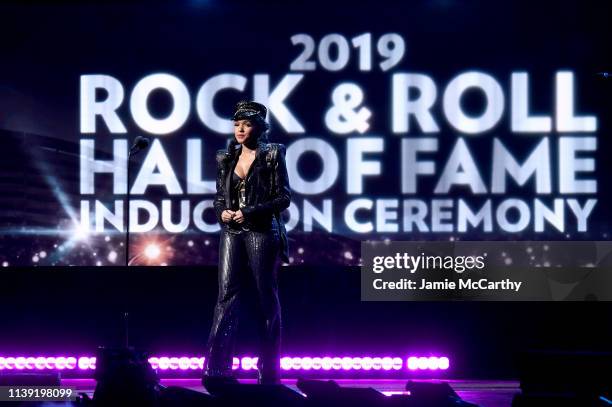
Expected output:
(19, 363)
(336, 363)
(86, 363)
(164, 363)
(197, 363)
(412, 363)
(347, 363)
(326, 363)
(184, 363)
(245, 363)
(248, 363)
(296, 363)
(153, 361)
(443, 363)
(397, 363)
(377, 363)
(306, 363)
(38, 363)
(433, 363)
(428, 363)
(387, 363)
(285, 363)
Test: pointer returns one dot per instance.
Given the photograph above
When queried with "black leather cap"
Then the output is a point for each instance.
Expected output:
(247, 109)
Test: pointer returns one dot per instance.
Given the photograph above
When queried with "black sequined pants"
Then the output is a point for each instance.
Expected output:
(241, 252)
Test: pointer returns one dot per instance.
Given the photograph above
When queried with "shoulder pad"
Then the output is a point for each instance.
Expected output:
(221, 154)
(272, 152)
(275, 148)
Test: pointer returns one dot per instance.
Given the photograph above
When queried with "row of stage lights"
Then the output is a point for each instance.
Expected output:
(165, 363)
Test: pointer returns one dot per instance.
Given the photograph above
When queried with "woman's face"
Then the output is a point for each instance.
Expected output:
(243, 130)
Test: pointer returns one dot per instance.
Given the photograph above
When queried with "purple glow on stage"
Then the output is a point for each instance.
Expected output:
(428, 363)
(245, 363)
(38, 363)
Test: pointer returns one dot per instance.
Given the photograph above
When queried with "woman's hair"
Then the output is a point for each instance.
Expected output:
(260, 134)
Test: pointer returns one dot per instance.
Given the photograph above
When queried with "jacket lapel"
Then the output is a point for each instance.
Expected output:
(260, 157)
(231, 162)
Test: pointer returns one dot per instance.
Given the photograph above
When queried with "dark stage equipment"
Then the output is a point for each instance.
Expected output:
(434, 394)
(172, 396)
(564, 379)
(330, 394)
(29, 379)
(124, 374)
(230, 392)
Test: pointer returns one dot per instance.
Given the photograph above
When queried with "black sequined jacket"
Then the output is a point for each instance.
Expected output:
(267, 191)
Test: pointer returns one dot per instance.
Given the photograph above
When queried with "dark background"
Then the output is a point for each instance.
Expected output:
(59, 311)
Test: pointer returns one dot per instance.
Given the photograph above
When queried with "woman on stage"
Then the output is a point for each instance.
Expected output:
(252, 191)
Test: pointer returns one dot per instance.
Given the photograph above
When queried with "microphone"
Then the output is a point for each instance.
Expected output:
(140, 143)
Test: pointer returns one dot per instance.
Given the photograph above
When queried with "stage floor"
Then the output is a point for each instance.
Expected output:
(485, 393)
